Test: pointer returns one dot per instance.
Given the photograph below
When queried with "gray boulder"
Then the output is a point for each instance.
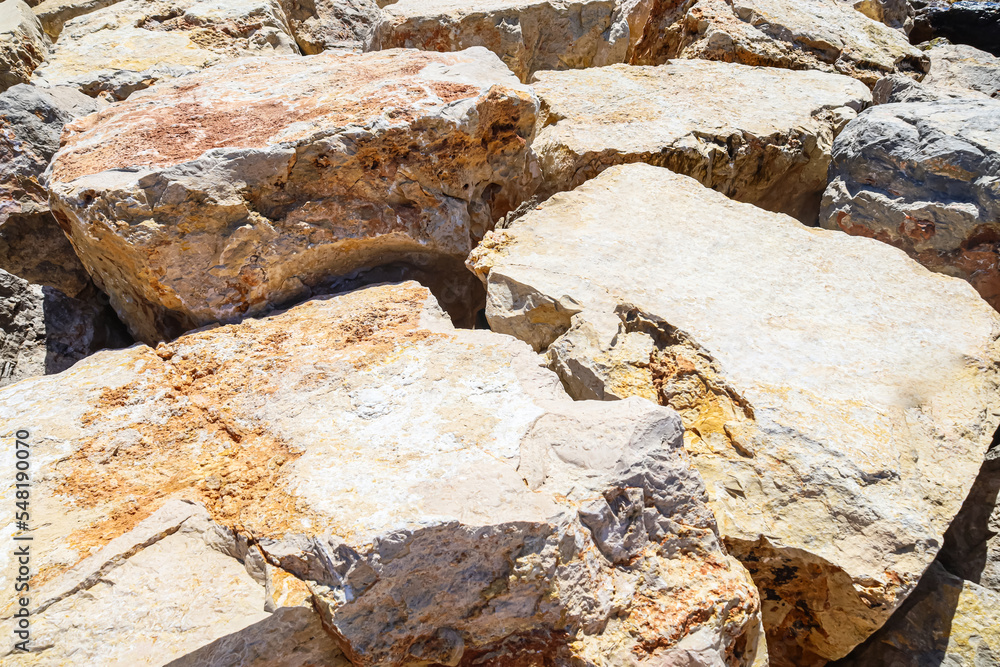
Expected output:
(963, 67)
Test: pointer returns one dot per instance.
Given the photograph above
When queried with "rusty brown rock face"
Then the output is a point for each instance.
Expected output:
(224, 193)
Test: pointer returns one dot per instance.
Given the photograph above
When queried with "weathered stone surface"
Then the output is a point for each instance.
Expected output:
(32, 246)
(53, 14)
(965, 22)
(896, 88)
(805, 34)
(319, 25)
(924, 177)
(528, 35)
(972, 544)
(894, 13)
(837, 397)
(130, 45)
(964, 67)
(440, 496)
(44, 331)
(173, 590)
(946, 621)
(766, 141)
(250, 185)
(23, 45)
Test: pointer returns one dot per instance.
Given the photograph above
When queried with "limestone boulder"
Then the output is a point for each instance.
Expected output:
(23, 45)
(32, 246)
(319, 25)
(965, 68)
(432, 492)
(528, 35)
(946, 621)
(767, 141)
(825, 35)
(837, 397)
(43, 331)
(924, 177)
(53, 14)
(260, 182)
(130, 45)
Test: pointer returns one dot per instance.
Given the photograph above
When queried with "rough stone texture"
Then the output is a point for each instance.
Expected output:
(528, 35)
(897, 88)
(974, 23)
(44, 331)
(964, 67)
(946, 621)
(837, 397)
(766, 141)
(219, 195)
(319, 25)
(172, 591)
(131, 45)
(440, 496)
(894, 13)
(53, 14)
(23, 45)
(32, 246)
(801, 34)
(924, 177)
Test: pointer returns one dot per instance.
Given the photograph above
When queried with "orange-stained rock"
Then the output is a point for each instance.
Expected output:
(432, 492)
(252, 184)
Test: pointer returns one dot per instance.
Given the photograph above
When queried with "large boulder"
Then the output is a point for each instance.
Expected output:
(319, 25)
(23, 45)
(260, 182)
(43, 331)
(32, 246)
(433, 492)
(924, 177)
(130, 45)
(896, 88)
(826, 35)
(837, 397)
(946, 621)
(528, 35)
(767, 141)
(964, 68)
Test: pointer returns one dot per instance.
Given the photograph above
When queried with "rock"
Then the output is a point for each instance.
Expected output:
(946, 621)
(130, 45)
(897, 88)
(824, 35)
(968, 22)
(528, 35)
(965, 68)
(53, 14)
(894, 13)
(32, 246)
(319, 25)
(260, 182)
(766, 142)
(43, 331)
(171, 590)
(924, 177)
(837, 397)
(433, 492)
(23, 45)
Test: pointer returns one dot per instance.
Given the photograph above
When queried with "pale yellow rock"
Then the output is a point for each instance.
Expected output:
(23, 44)
(433, 491)
(766, 141)
(837, 397)
(130, 45)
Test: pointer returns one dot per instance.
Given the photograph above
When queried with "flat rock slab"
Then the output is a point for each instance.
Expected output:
(837, 397)
(826, 35)
(32, 246)
(130, 45)
(435, 490)
(23, 45)
(924, 177)
(767, 141)
(219, 195)
(528, 35)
